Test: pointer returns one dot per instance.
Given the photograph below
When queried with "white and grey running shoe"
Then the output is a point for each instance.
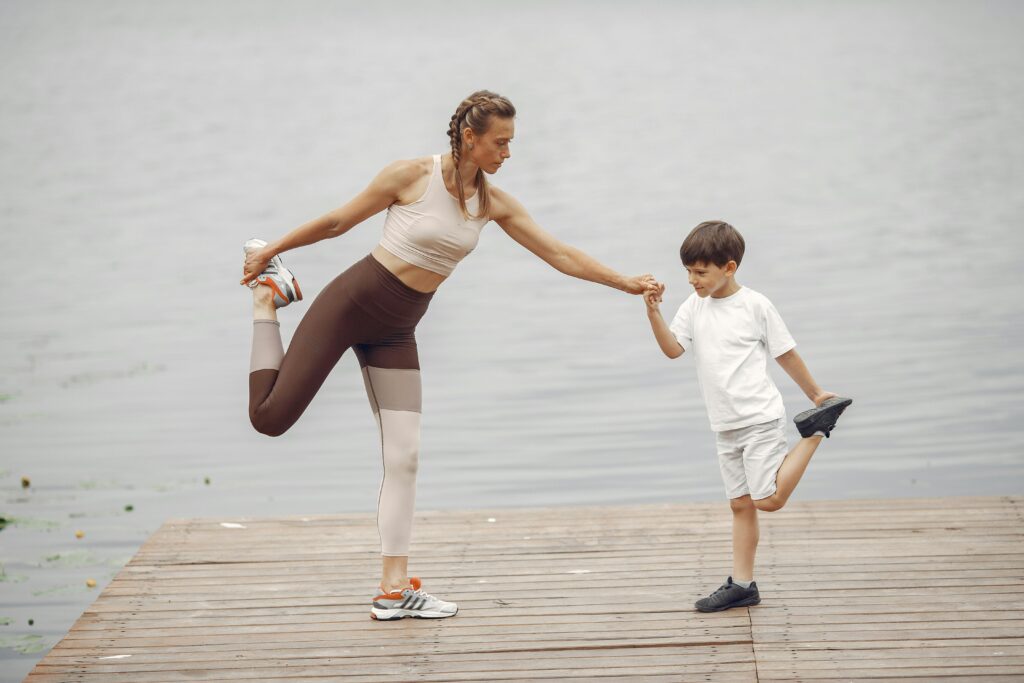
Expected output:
(411, 602)
(276, 276)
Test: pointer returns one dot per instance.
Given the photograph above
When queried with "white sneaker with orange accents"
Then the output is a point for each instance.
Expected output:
(411, 602)
(280, 280)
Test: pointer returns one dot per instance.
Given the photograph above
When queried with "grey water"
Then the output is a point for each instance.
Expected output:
(870, 152)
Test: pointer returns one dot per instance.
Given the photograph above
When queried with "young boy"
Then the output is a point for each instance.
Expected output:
(730, 330)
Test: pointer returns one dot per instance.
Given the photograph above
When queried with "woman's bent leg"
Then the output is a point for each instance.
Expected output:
(281, 385)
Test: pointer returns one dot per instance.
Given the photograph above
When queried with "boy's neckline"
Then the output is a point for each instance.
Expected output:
(722, 299)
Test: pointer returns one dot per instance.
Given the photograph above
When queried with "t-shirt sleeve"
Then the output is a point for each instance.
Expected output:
(776, 334)
(682, 325)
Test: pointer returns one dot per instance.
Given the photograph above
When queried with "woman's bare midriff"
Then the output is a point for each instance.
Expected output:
(420, 279)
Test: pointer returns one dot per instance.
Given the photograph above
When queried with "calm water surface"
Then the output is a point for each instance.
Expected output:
(870, 153)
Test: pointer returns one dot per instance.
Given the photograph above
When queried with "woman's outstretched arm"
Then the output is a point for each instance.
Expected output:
(383, 191)
(513, 218)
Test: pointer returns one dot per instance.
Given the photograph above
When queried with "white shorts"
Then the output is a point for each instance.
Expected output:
(750, 458)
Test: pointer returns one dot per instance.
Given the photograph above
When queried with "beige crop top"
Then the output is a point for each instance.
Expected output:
(431, 232)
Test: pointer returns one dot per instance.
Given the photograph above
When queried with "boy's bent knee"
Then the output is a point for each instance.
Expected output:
(770, 504)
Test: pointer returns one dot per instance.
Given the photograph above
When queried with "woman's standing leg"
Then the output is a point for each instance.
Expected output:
(391, 374)
(392, 377)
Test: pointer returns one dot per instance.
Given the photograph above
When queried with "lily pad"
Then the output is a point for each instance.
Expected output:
(69, 559)
(11, 578)
(29, 523)
(65, 589)
(26, 645)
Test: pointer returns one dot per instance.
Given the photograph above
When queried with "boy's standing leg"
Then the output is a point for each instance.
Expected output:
(745, 535)
(739, 590)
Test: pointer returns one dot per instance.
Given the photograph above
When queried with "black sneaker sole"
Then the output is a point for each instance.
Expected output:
(745, 602)
(823, 418)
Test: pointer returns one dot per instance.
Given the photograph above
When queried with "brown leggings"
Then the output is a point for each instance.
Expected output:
(368, 309)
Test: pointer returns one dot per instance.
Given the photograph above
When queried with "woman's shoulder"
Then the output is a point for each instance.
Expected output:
(502, 203)
(409, 170)
(399, 176)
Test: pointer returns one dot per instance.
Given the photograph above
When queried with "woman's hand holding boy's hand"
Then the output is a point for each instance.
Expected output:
(640, 284)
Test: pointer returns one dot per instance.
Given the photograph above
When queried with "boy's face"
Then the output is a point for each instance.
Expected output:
(708, 279)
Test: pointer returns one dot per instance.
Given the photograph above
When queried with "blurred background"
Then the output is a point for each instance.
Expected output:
(870, 153)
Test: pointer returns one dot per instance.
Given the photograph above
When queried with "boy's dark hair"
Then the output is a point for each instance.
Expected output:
(712, 242)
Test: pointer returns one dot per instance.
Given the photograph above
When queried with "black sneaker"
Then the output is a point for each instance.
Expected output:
(729, 595)
(823, 418)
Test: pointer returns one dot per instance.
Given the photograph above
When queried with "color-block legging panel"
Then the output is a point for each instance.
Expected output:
(281, 385)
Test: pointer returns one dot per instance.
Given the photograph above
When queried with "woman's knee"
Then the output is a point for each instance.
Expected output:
(402, 460)
(268, 424)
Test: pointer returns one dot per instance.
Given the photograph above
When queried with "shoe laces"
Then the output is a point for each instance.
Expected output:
(721, 589)
(423, 594)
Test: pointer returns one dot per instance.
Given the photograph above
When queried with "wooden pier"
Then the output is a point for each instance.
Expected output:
(918, 589)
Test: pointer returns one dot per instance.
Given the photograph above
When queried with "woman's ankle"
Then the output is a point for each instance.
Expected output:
(263, 303)
(394, 585)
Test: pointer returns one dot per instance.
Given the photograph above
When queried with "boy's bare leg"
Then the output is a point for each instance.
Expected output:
(789, 473)
(745, 535)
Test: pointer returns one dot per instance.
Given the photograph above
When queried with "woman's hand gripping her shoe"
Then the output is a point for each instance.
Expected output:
(256, 261)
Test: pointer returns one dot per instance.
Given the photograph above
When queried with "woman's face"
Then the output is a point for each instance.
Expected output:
(492, 148)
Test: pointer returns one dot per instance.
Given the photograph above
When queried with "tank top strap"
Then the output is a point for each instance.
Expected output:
(436, 179)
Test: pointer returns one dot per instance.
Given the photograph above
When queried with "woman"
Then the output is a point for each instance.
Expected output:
(436, 207)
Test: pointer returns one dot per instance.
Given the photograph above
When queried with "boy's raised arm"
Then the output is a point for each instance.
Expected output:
(794, 366)
(666, 340)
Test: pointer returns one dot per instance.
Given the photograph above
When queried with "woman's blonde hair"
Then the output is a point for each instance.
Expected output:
(476, 112)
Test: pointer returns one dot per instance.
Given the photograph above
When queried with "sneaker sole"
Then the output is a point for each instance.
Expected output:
(747, 602)
(394, 614)
(286, 274)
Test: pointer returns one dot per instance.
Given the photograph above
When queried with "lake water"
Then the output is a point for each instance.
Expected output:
(870, 152)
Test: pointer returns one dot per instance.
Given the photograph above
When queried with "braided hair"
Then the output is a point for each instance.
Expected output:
(475, 112)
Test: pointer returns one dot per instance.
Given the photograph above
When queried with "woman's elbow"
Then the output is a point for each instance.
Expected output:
(332, 228)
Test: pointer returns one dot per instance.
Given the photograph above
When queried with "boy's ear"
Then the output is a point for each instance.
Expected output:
(730, 268)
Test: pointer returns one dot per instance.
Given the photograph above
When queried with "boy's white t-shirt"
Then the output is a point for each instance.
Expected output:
(731, 339)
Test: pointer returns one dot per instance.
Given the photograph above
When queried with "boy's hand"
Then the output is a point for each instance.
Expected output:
(822, 397)
(652, 297)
